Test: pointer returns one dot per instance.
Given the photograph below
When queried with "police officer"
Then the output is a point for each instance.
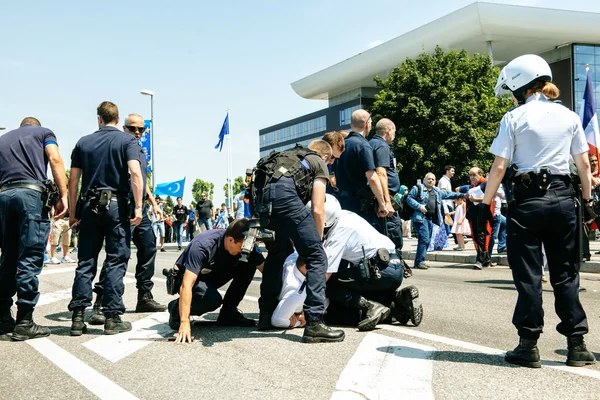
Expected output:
(385, 166)
(357, 299)
(538, 137)
(356, 168)
(143, 238)
(24, 224)
(210, 261)
(105, 161)
(285, 184)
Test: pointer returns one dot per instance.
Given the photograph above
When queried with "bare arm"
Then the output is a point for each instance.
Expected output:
(185, 304)
(136, 187)
(318, 204)
(585, 174)
(375, 186)
(496, 176)
(60, 179)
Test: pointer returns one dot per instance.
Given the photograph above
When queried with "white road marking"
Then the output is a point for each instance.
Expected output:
(65, 294)
(52, 271)
(387, 368)
(116, 347)
(590, 373)
(85, 375)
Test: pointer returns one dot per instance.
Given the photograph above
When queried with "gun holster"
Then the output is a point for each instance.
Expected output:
(50, 195)
(174, 279)
(100, 203)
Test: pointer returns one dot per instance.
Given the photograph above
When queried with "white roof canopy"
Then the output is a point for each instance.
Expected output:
(512, 30)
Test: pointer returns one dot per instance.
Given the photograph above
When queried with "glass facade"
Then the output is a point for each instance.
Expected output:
(586, 54)
(286, 147)
(300, 130)
(345, 115)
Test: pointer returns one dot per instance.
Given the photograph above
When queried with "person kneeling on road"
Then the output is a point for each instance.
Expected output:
(366, 289)
(209, 262)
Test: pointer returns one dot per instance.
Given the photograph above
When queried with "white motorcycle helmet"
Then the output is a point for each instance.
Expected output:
(332, 210)
(520, 74)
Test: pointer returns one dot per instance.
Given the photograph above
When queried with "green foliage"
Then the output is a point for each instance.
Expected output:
(200, 187)
(169, 205)
(68, 173)
(445, 112)
(238, 186)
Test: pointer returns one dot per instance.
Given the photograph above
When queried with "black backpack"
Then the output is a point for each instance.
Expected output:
(407, 211)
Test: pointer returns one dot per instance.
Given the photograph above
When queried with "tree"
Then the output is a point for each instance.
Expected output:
(200, 187)
(169, 205)
(68, 174)
(238, 186)
(445, 112)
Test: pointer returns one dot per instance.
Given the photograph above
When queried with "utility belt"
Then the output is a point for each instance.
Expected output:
(531, 184)
(98, 201)
(370, 268)
(366, 200)
(47, 188)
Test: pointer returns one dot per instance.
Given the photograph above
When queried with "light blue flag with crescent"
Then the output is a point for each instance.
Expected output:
(146, 143)
(224, 131)
(171, 188)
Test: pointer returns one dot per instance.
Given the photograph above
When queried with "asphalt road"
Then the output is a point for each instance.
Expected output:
(454, 354)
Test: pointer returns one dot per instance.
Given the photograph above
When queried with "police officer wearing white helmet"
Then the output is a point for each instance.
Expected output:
(539, 136)
(354, 298)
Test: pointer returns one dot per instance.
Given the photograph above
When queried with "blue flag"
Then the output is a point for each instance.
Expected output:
(171, 188)
(145, 143)
(224, 131)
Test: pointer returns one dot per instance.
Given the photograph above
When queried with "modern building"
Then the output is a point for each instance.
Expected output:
(568, 40)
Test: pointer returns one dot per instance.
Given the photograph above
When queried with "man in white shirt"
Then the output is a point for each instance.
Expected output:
(445, 184)
(288, 313)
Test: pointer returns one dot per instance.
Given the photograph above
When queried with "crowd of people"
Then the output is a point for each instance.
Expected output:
(335, 257)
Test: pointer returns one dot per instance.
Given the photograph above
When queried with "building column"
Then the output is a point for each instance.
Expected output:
(490, 51)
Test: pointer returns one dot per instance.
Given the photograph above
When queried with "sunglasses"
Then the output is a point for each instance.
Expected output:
(135, 129)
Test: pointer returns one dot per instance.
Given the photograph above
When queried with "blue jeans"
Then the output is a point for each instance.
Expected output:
(178, 226)
(207, 222)
(424, 231)
(498, 231)
(24, 231)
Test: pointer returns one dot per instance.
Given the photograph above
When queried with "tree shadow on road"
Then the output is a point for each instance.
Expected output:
(445, 355)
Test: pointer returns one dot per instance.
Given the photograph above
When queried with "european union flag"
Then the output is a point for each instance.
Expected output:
(145, 143)
(171, 188)
(224, 131)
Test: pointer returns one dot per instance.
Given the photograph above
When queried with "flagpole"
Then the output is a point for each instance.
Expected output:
(229, 165)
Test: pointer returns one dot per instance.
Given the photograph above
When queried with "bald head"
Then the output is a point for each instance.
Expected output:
(360, 122)
(386, 129)
(30, 121)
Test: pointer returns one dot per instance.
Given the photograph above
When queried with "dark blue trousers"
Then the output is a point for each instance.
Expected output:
(111, 227)
(290, 219)
(392, 228)
(547, 218)
(24, 233)
(145, 243)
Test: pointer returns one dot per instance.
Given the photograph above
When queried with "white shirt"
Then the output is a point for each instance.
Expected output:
(444, 184)
(291, 301)
(538, 134)
(347, 238)
(498, 200)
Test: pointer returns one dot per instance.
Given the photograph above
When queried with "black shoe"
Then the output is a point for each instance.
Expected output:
(371, 313)
(146, 303)
(97, 317)
(264, 321)
(578, 354)
(316, 332)
(230, 316)
(27, 329)
(525, 354)
(407, 306)
(421, 266)
(179, 248)
(114, 325)
(78, 327)
(502, 250)
(7, 326)
(174, 321)
(162, 249)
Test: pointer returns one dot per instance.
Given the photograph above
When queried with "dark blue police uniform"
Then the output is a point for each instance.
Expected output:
(206, 257)
(384, 158)
(350, 171)
(24, 225)
(102, 157)
(145, 242)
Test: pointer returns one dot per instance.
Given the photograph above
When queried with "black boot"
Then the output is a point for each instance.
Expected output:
(146, 303)
(407, 306)
(578, 355)
(97, 318)
(114, 325)
(174, 321)
(78, 326)
(525, 354)
(264, 321)
(25, 328)
(316, 332)
(371, 313)
(7, 325)
(231, 316)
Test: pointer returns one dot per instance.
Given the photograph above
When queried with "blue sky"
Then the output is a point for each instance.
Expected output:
(60, 59)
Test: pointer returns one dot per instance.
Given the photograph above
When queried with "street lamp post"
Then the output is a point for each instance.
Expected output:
(151, 94)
